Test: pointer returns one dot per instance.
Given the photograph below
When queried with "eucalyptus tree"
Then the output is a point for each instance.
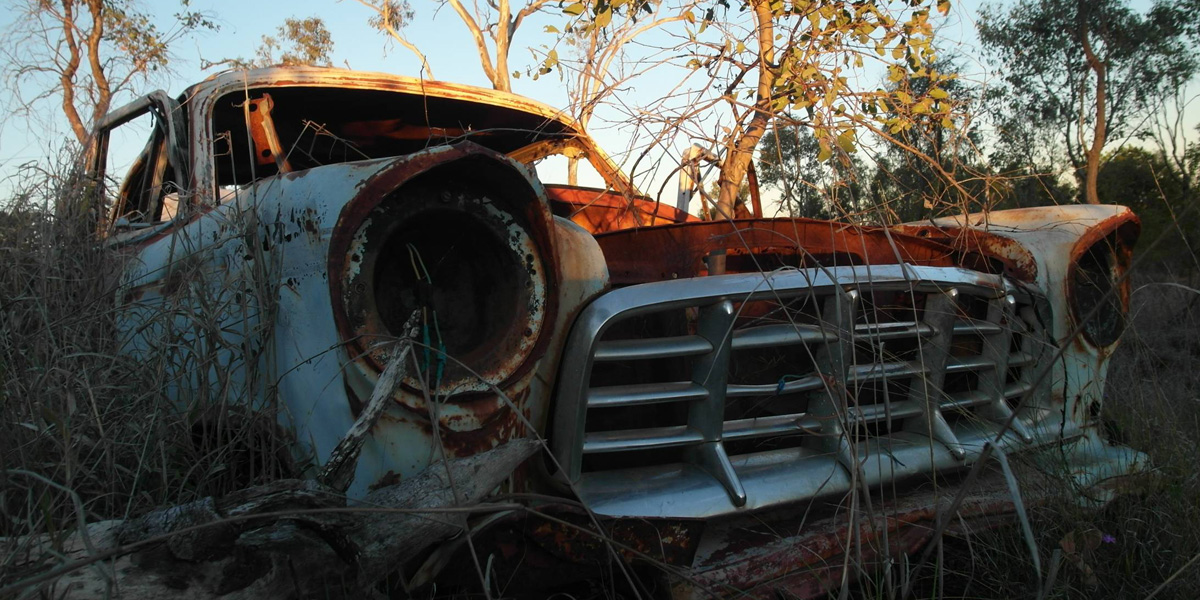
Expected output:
(1087, 71)
(85, 53)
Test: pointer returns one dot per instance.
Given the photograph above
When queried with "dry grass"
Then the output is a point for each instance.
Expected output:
(89, 431)
(83, 419)
(1142, 543)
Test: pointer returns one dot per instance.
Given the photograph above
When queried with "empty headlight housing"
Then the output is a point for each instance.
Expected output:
(1097, 286)
(460, 255)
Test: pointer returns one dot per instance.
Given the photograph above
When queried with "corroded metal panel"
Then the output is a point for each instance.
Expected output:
(827, 359)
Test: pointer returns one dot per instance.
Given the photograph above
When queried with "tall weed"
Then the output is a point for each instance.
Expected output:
(82, 417)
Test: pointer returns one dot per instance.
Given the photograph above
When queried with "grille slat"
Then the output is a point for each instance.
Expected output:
(791, 362)
(977, 327)
(637, 394)
(975, 398)
(806, 424)
(806, 384)
(892, 331)
(884, 370)
(640, 439)
(960, 364)
(766, 426)
(651, 348)
(764, 336)
(879, 413)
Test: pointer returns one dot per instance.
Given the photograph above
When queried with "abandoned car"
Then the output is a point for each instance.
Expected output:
(726, 426)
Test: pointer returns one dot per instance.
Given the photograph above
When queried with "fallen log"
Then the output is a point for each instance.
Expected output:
(289, 539)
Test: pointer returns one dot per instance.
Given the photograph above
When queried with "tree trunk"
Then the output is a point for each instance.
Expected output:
(67, 76)
(1100, 131)
(573, 170)
(742, 144)
(286, 539)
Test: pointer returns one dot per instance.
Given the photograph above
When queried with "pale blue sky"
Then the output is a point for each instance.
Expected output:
(436, 30)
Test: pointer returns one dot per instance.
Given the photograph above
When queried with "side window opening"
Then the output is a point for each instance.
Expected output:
(140, 185)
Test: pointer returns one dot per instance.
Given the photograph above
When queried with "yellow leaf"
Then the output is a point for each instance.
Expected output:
(574, 9)
(898, 52)
(939, 93)
(741, 47)
(943, 6)
(825, 153)
(845, 141)
(689, 17)
(948, 123)
(604, 18)
(903, 97)
(551, 29)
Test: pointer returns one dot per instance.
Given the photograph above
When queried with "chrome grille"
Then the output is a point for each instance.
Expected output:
(717, 377)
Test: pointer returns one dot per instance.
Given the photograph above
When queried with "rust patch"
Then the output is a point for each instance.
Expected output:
(795, 554)
(1127, 227)
(977, 249)
(179, 274)
(752, 245)
(757, 562)
(389, 478)
(133, 295)
(673, 542)
(310, 222)
(602, 211)
(499, 425)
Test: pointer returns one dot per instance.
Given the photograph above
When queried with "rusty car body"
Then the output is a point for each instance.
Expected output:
(719, 424)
